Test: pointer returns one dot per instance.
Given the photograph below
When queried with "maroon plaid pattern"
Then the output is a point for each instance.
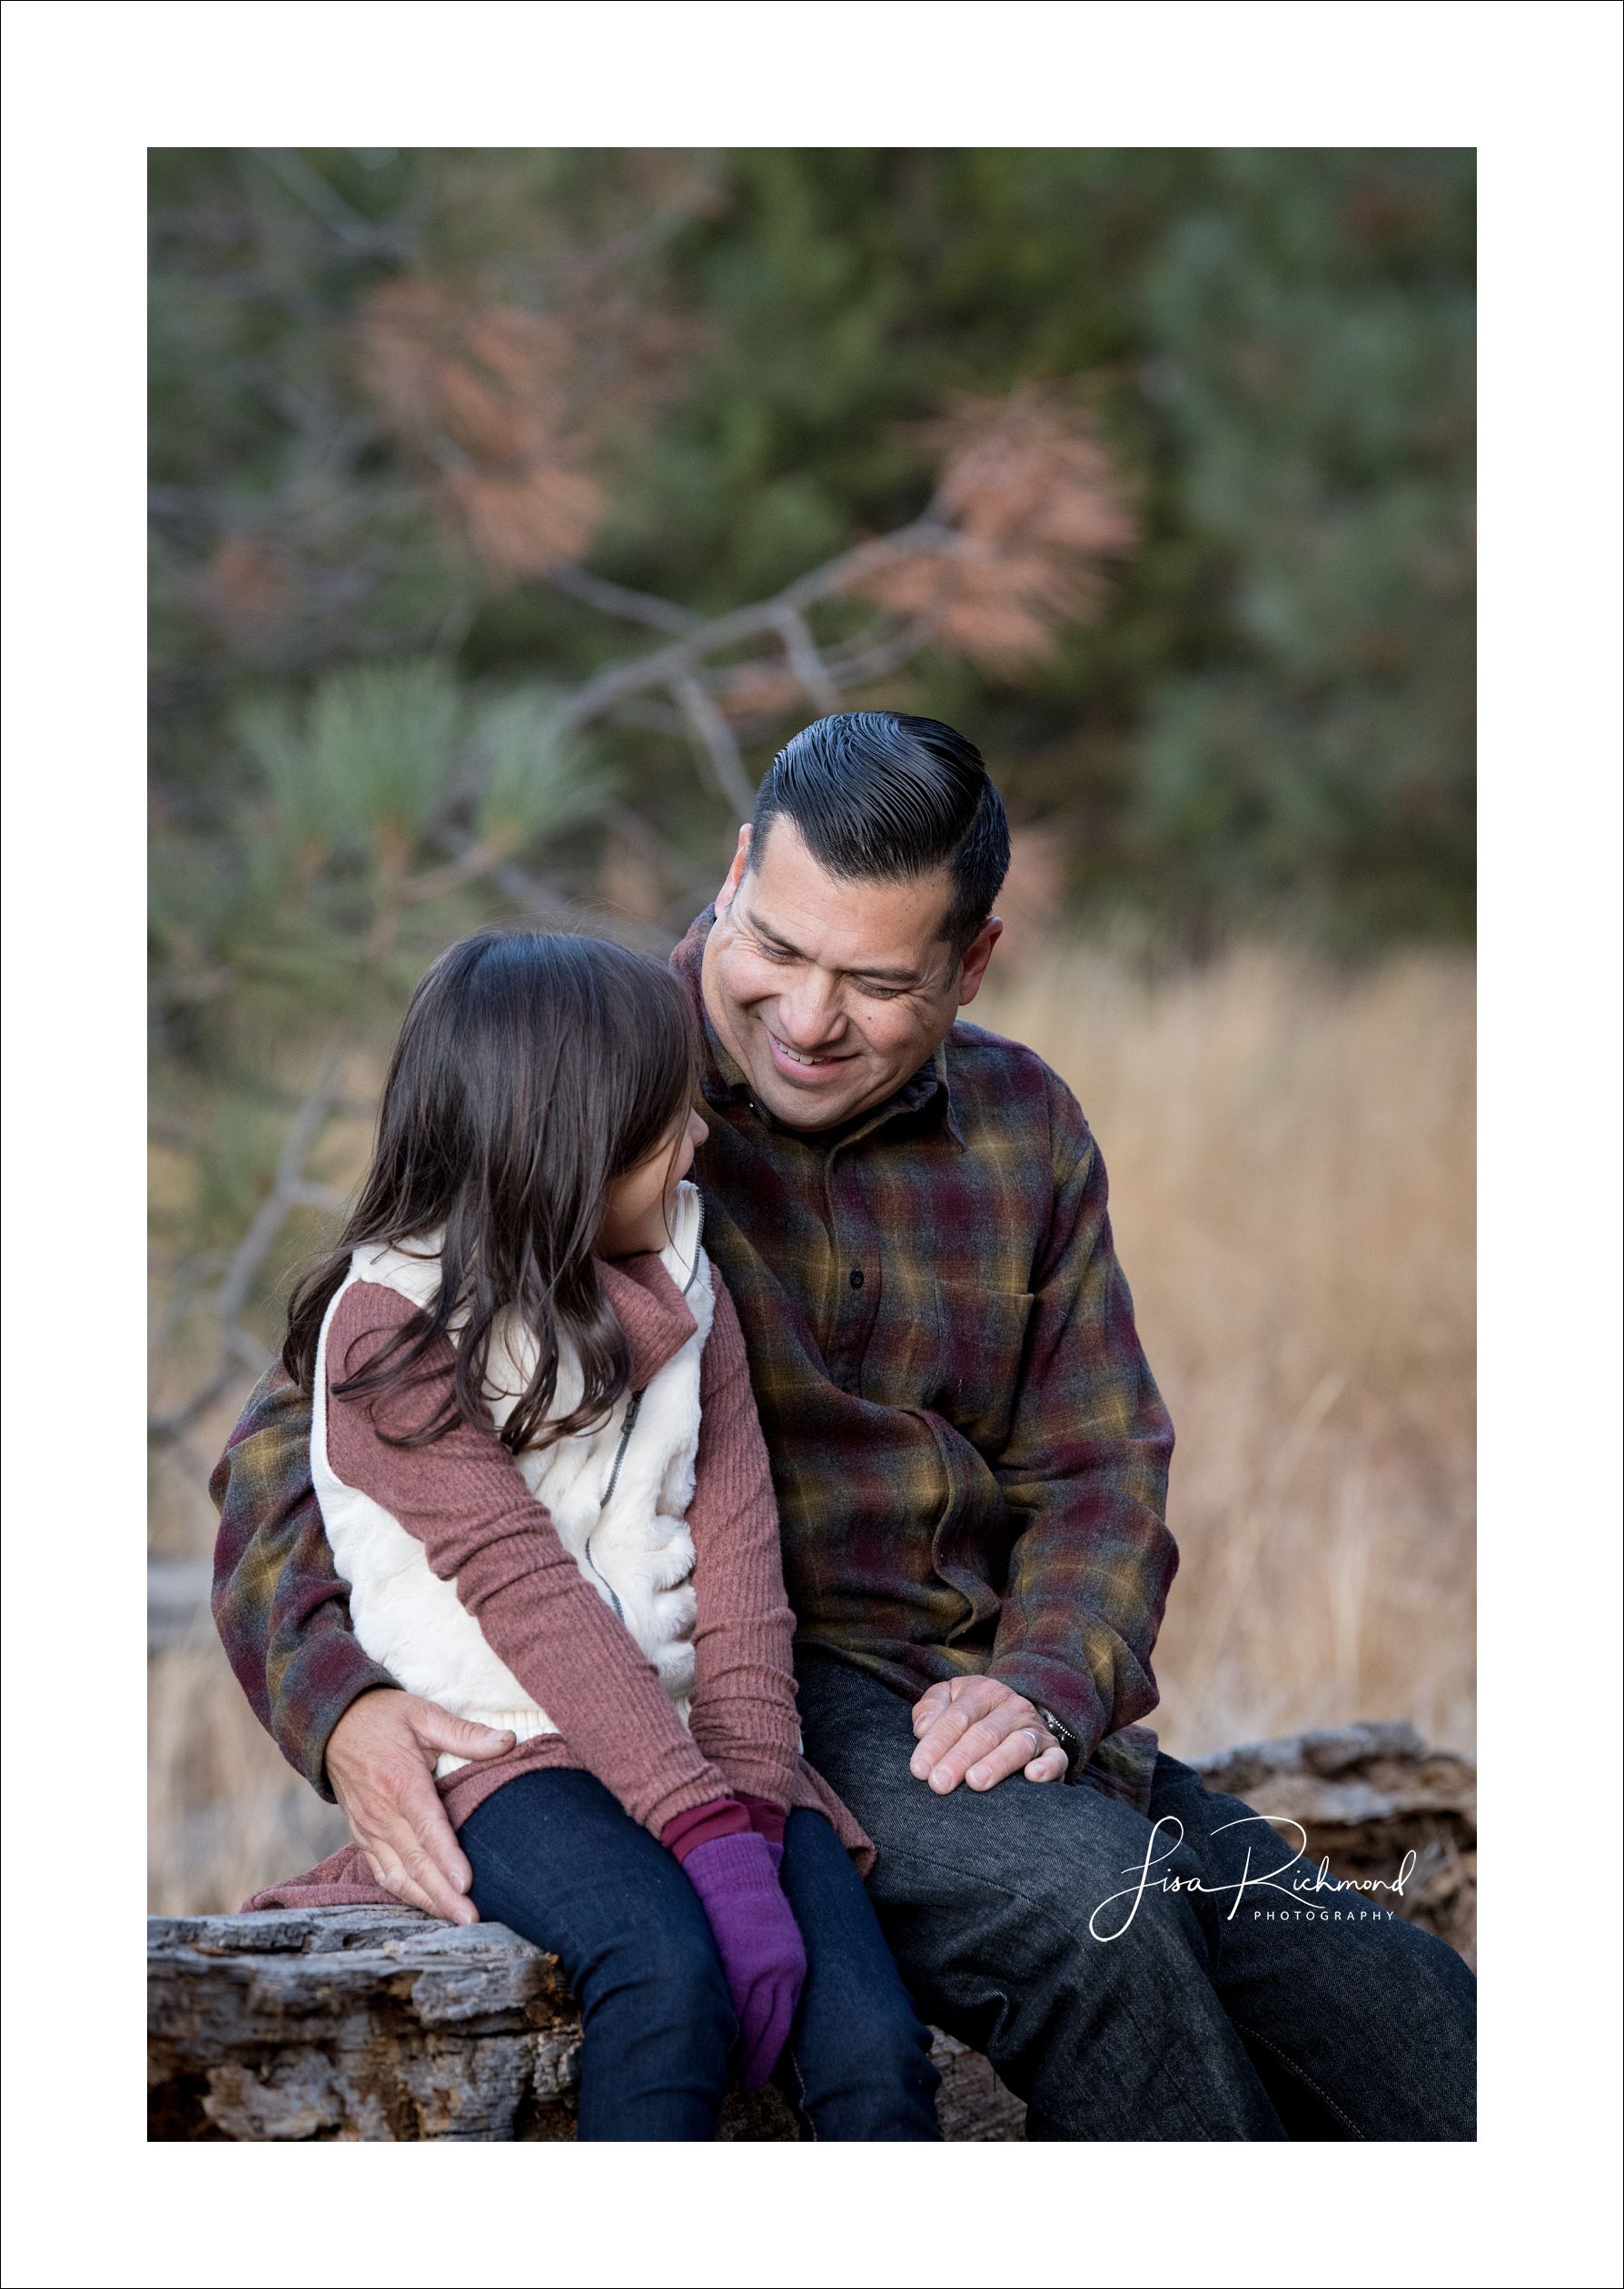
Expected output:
(282, 1610)
(969, 1454)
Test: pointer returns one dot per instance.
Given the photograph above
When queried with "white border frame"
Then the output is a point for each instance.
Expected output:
(90, 84)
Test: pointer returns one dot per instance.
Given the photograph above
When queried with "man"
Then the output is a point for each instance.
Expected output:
(970, 1458)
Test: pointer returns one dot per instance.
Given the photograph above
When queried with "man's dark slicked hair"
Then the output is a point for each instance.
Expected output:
(883, 797)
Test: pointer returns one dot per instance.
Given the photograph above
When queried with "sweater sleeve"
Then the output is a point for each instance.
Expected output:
(743, 1706)
(466, 1500)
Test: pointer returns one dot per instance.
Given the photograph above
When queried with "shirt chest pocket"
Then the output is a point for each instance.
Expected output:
(959, 1354)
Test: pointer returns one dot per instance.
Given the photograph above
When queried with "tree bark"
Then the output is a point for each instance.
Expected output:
(372, 2024)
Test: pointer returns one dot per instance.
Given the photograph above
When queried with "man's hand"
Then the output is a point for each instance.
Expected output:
(381, 1761)
(974, 1728)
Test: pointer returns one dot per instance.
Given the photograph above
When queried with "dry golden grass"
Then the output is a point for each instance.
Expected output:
(224, 1813)
(1292, 1152)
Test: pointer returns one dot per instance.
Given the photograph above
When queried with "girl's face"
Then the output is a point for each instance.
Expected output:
(637, 1207)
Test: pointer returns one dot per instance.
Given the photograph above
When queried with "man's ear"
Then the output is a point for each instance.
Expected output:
(978, 954)
(741, 856)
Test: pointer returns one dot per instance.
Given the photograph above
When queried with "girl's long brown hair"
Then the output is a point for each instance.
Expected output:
(531, 1069)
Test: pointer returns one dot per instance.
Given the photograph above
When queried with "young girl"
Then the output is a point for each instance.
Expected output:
(543, 1475)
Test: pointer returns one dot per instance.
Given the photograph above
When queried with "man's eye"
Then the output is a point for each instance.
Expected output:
(883, 993)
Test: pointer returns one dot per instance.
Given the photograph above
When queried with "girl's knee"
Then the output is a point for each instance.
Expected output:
(671, 1972)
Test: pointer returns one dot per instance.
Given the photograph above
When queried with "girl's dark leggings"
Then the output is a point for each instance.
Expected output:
(556, 1860)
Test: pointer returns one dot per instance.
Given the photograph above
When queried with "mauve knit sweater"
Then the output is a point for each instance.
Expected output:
(466, 1500)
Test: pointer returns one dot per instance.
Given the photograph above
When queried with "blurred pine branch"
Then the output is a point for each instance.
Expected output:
(509, 507)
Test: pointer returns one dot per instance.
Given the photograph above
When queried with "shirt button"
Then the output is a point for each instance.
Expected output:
(857, 1279)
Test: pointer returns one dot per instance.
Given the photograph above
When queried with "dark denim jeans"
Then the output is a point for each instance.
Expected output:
(1193, 2024)
(556, 1860)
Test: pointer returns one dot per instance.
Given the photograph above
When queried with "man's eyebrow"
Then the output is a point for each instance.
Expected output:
(885, 976)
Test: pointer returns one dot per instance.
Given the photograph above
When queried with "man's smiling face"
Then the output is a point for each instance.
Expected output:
(830, 993)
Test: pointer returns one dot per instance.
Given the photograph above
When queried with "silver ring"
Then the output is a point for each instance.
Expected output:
(1038, 1745)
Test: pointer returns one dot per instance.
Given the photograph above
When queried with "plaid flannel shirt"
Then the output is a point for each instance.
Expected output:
(969, 1453)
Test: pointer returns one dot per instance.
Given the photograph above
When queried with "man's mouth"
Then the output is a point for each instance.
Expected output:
(796, 1066)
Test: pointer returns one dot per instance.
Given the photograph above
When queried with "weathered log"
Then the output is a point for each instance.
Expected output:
(1368, 1795)
(367, 2024)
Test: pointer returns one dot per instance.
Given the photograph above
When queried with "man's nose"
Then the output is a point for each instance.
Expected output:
(809, 1016)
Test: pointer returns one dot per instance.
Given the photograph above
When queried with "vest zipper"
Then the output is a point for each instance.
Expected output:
(633, 1408)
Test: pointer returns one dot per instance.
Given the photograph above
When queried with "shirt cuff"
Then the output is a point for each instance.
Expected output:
(329, 1673)
(765, 1818)
(772, 1774)
(1067, 1695)
(684, 1832)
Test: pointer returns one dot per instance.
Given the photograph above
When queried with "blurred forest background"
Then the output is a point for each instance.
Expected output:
(508, 508)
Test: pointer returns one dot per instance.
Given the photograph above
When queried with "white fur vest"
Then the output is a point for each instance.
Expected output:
(618, 1497)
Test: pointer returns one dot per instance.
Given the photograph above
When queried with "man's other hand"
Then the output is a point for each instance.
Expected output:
(975, 1729)
(380, 1760)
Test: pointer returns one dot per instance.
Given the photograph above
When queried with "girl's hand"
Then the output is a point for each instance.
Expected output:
(758, 1941)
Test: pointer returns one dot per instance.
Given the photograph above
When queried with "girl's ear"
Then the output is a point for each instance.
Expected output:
(741, 856)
